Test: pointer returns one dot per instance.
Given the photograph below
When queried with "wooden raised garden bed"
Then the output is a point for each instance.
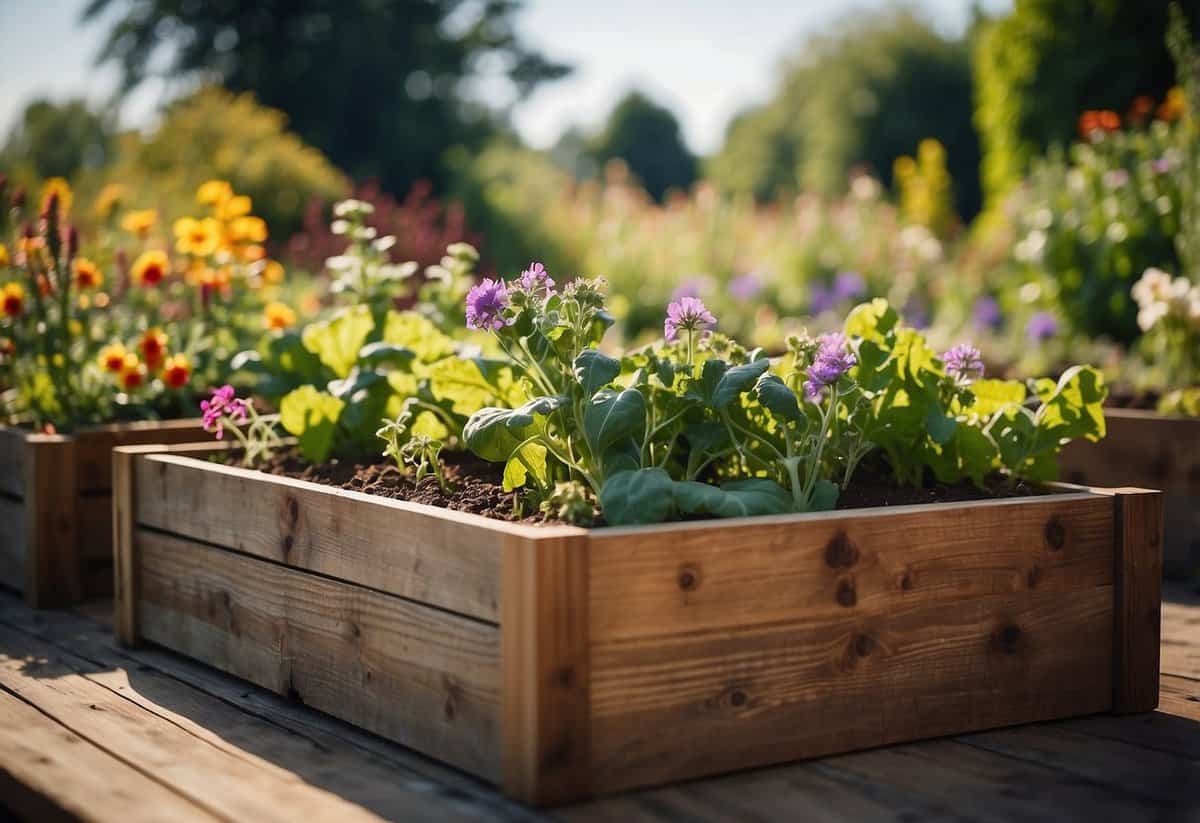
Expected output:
(1157, 452)
(56, 507)
(561, 662)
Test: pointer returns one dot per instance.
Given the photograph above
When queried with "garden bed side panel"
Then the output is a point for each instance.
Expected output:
(1153, 451)
(382, 613)
(56, 500)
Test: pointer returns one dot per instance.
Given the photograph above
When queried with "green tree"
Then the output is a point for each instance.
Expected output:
(864, 93)
(379, 85)
(1040, 67)
(58, 140)
(647, 137)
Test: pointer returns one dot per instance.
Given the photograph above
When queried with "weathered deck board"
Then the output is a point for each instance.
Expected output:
(69, 765)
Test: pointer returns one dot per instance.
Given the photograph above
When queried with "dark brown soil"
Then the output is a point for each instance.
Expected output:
(476, 486)
(1124, 398)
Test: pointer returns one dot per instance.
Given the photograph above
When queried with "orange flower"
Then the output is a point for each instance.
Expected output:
(150, 268)
(248, 230)
(7, 347)
(235, 207)
(139, 222)
(108, 199)
(133, 373)
(12, 297)
(177, 371)
(112, 357)
(153, 347)
(197, 237)
(1174, 106)
(1093, 121)
(214, 192)
(59, 186)
(278, 316)
(1141, 108)
(4, 261)
(252, 253)
(87, 274)
(29, 248)
(273, 272)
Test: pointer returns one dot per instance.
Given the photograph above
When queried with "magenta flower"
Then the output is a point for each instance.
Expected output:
(536, 281)
(687, 314)
(486, 303)
(222, 406)
(834, 358)
(964, 363)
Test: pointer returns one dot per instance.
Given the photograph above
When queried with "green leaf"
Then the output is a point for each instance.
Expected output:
(386, 354)
(941, 428)
(613, 415)
(735, 381)
(1073, 407)
(494, 434)
(777, 398)
(417, 333)
(742, 498)
(594, 370)
(624, 455)
(460, 382)
(871, 321)
(824, 496)
(516, 472)
(337, 342)
(993, 395)
(311, 416)
(636, 497)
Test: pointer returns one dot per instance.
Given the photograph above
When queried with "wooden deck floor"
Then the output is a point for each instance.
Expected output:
(92, 731)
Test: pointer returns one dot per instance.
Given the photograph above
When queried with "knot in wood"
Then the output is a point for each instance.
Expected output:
(737, 698)
(840, 553)
(1055, 534)
(1009, 639)
(864, 644)
(846, 594)
(689, 579)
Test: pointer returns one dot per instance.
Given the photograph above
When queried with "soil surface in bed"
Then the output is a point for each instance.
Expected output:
(476, 486)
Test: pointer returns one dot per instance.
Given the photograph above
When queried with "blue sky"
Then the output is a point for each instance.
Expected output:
(705, 60)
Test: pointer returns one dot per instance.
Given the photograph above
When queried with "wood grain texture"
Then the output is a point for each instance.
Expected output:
(544, 653)
(124, 563)
(448, 559)
(12, 461)
(1138, 599)
(418, 675)
(48, 773)
(12, 543)
(711, 700)
(53, 567)
(94, 445)
(688, 577)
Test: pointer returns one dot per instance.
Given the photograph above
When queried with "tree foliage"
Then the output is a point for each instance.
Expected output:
(379, 85)
(864, 93)
(646, 136)
(1040, 67)
(57, 140)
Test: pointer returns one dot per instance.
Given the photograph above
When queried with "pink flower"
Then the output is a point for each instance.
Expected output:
(221, 406)
(688, 314)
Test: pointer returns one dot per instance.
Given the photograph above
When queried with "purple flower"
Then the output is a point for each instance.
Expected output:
(745, 286)
(986, 313)
(691, 287)
(1041, 327)
(833, 359)
(964, 363)
(849, 285)
(916, 315)
(1116, 178)
(687, 314)
(486, 303)
(535, 280)
(820, 299)
(1162, 165)
(223, 404)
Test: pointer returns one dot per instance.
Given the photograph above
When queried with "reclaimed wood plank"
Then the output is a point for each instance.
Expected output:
(94, 445)
(12, 461)
(1137, 587)
(421, 676)
(544, 653)
(1174, 728)
(644, 583)
(50, 773)
(706, 701)
(12, 542)
(414, 551)
(1180, 648)
(53, 574)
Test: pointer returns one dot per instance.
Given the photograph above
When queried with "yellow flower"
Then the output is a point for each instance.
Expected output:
(252, 253)
(197, 237)
(133, 373)
(1174, 106)
(233, 208)
(214, 192)
(108, 199)
(75, 327)
(177, 370)
(248, 230)
(139, 222)
(3, 255)
(112, 357)
(12, 298)
(87, 274)
(59, 186)
(273, 272)
(278, 316)
(150, 268)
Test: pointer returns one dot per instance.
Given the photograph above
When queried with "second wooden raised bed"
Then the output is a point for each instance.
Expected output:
(562, 663)
(56, 507)
(1151, 450)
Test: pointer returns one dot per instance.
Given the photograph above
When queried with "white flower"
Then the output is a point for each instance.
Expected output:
(1030, 249)
(351, 206)
(1149, 315)
(865, 187)
(342, 263)
(339, 226)
(1154, 286)
(438, 274)
(397, 271)
(384, 243)
(1030, 292)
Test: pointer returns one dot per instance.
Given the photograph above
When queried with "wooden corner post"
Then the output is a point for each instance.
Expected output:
(1137, 591)
(124, 520)
(545, 717)
(53, 575)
